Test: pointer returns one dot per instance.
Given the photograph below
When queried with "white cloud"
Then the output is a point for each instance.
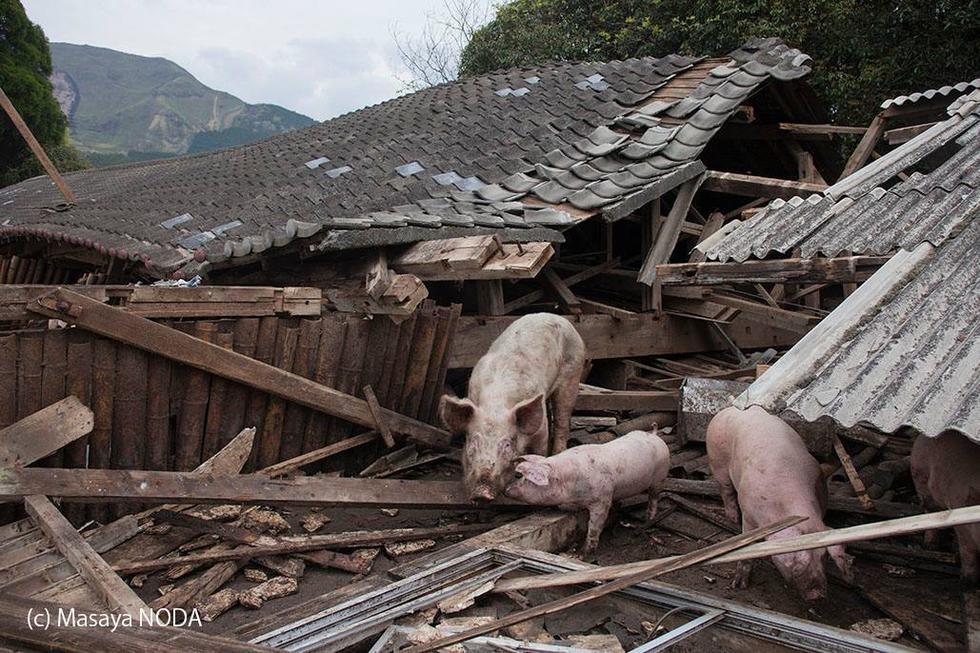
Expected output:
(319, 58)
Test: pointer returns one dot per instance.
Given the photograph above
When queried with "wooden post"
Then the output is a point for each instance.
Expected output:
(294, 424)
(129, 416)
(651, 220)
(490, 297)
(265, 346)
(332, 330)
(865, 147)
(351, 365)
(214, 438)
(244, 335)
(54, 361)
(419, 360)
(103, 393)
(158, 436)
(275, 412)
(36, 148)
(445, 331)
(8, 379)
(78, 383)
(193, 408)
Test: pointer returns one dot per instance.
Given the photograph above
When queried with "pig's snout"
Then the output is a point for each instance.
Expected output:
(483, 492)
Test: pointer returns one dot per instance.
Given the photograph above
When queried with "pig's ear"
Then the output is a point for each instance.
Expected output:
(530, 415)
(456, 413)
(536, 473)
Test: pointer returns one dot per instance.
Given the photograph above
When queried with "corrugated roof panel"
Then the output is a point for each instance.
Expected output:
(904, 350)
(867, 212)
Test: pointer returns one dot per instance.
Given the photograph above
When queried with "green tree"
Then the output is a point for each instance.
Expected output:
(25, 64)
(864, 51)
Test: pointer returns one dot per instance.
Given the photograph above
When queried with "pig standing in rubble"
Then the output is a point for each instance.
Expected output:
(946, 473)
(763, 467)
(537, 359)
(592, 476)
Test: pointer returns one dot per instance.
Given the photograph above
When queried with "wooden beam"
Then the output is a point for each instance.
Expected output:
(183, 348)
(670, 230)
(44, 432)
(646, 334)
(801, 128)
(651, 570)
(792, 270)
(36, 148)
(293, 464)
(714, 222)
(639, 400)
(97, 485)
(97, 573)
(570, 281)
(903, 526)
(777, 317)
(379, 419)
(592, 306)
(754, 186)
(905, 134)
(175, 302)
(865, 147)
(569, 302)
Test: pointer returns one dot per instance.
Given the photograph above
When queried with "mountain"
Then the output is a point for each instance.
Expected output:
(126, 107)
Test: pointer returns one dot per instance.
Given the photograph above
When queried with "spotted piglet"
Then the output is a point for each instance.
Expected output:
(591, 476)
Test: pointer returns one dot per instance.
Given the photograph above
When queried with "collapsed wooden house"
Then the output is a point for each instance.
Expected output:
(323, 287)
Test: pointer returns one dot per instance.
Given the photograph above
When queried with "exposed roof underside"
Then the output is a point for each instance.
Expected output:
(523, 153)
(903, 350)
(873, 211)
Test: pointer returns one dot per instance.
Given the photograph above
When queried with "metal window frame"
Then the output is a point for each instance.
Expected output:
(356, 619)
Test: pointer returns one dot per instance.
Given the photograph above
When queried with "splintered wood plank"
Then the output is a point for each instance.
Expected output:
(865, 147)
(375, 407)
(505, 261)
(44, 432)
(792, 270)
(163, 487)
(565, 296)
(90, 565)
(670, 229)
(852, 474)
(448, 256)
(160, 339)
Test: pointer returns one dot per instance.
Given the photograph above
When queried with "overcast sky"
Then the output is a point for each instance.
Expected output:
(319, 57)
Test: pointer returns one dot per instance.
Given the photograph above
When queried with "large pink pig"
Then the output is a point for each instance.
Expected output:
(763, 467)
(537, 359)
(592, 476)
(946, 473)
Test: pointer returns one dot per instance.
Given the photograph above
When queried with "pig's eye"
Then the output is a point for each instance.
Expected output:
(518, 475)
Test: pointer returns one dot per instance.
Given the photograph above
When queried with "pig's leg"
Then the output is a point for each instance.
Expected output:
(562, 404)
(728, 496)
(743, 568)
(598, 513)
(969, 556)
(653, 498)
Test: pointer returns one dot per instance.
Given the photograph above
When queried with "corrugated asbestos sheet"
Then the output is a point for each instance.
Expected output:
(904, 350)
(933, 93)
(873, 211)
(452, 160)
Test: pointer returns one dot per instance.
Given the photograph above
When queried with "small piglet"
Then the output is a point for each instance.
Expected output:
(539, 357)
(591, 476)
(763, 467)
(946, 473)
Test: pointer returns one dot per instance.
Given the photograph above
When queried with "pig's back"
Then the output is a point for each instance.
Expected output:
(767, 459)
(526, 358)
(632, 463)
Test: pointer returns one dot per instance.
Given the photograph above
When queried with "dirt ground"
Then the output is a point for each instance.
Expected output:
(627, 538)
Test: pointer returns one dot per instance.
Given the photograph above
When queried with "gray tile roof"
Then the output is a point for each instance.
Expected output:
(874, 211)
(478, 155)
(903, 350)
